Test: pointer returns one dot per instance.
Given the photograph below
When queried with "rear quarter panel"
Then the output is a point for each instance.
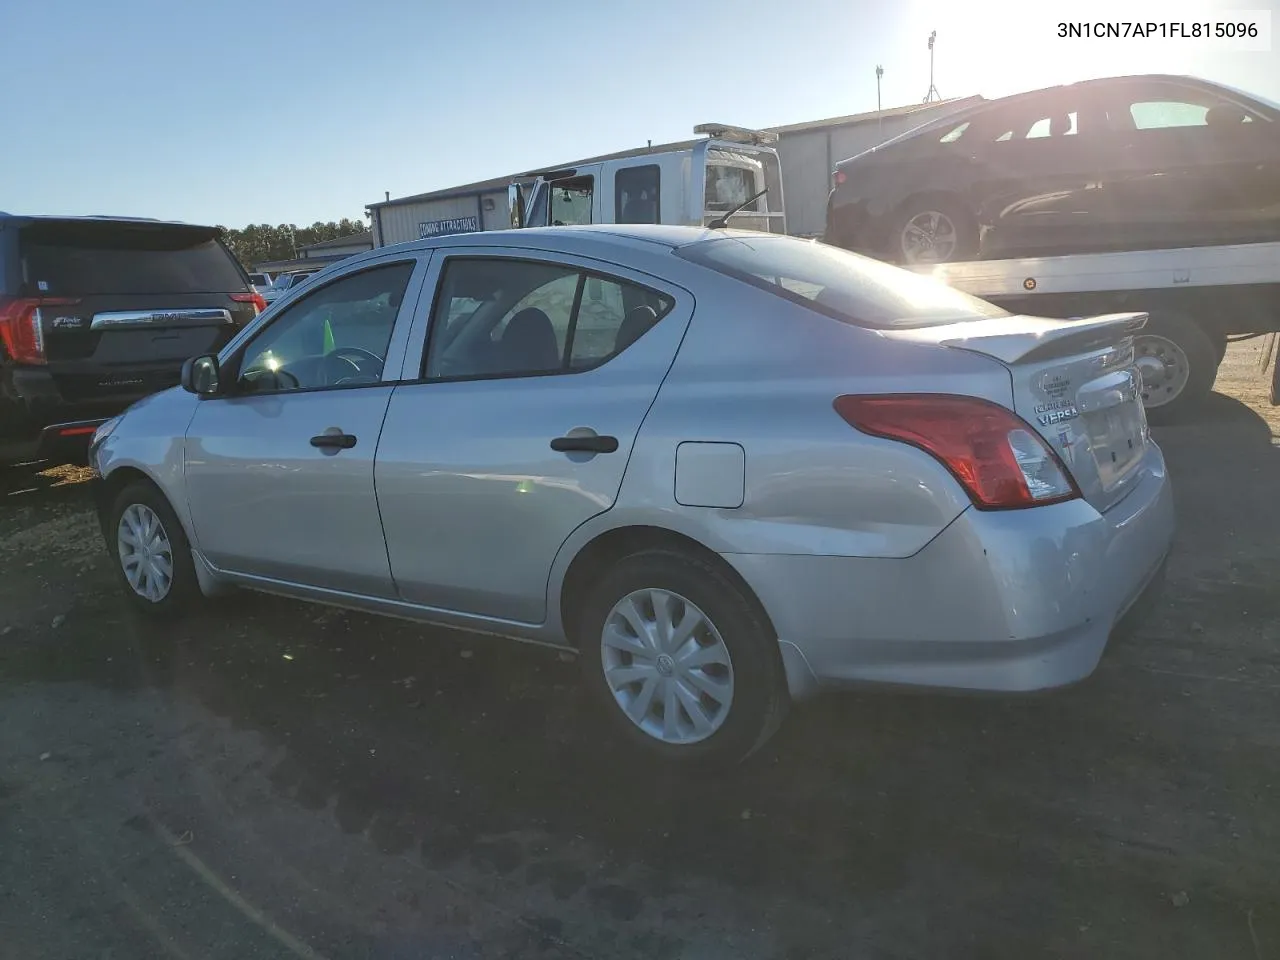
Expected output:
(760, 372)
(763, 373)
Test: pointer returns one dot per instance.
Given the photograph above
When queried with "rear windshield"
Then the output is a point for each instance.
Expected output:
(839, 284)
(128, 263)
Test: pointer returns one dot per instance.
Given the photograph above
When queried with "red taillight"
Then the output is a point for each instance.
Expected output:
(839, 177)
(255, 298)
(22, 326)
(996, 456)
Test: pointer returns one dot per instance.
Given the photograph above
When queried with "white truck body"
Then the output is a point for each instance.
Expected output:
(687, 187)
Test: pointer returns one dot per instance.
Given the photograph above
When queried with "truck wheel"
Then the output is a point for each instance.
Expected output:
(1179, 364)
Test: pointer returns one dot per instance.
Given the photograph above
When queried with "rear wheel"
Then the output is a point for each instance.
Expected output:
(933, 230)
(153, 556)
(681, 660)
(1179, 363)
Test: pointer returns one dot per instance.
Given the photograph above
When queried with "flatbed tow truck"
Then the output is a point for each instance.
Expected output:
(1198, 300)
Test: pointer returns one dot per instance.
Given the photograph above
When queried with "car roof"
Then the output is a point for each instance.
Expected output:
(636, 245)
(986, 105)
(19, 220)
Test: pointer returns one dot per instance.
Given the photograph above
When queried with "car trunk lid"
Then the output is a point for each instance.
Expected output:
(1075, 382)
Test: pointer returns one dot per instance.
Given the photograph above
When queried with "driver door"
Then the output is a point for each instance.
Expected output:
(279, 472)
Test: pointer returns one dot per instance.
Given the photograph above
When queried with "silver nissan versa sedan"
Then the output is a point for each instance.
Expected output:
(728, 469)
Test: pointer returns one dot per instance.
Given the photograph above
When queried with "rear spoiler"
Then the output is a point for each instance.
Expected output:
(1056, 340)
(1020, 338)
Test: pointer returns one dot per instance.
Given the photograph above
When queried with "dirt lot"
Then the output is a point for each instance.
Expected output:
(280, 780)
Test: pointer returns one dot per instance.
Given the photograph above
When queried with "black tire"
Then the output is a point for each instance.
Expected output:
(760, 700)
(1202, 359)
(1220, 345)
(968, 236)
(184, 590)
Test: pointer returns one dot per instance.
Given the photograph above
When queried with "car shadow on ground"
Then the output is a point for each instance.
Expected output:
(931, 819)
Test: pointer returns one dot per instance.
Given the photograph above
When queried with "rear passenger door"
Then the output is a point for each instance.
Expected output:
(1038, 186)
(538, 372)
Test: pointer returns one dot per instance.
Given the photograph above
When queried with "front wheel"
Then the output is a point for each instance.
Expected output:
(681, 660)
(153, 557)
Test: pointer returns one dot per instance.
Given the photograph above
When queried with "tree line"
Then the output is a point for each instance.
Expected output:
(261, 241)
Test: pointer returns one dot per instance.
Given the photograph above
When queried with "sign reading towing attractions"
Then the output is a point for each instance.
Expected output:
(441, 228)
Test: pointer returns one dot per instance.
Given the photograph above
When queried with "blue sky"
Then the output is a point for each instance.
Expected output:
(289, 111)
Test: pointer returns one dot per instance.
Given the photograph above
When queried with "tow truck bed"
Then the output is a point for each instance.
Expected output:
(1197, 297)
(1246, 264)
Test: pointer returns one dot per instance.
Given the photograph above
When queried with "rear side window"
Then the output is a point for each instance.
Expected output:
(127, 262)
(848, 287)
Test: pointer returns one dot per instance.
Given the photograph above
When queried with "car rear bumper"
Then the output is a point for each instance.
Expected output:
(38, 421)
(850, 226)
(999, 601)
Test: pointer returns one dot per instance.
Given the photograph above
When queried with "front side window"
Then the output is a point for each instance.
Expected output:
(843, 285)
(1167, 114)
(571, 201)
(532, 318)
(336, 336)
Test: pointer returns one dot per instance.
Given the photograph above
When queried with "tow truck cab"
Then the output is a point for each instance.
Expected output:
(688, 186)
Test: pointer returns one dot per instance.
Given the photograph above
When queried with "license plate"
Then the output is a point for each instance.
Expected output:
(1117, 440)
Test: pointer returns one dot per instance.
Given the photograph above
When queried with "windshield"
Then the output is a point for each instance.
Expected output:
(843, 285)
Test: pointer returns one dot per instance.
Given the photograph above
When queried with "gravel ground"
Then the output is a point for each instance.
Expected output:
(281, 780)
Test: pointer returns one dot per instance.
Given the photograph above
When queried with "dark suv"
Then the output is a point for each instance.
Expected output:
(97, 312)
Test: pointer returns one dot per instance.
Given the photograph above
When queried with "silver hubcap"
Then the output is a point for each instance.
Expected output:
(667, 666)
(145, 553)
(929, 237)
(1164, 369)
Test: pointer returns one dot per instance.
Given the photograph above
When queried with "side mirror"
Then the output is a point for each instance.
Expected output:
(202, 376)
(515, 200)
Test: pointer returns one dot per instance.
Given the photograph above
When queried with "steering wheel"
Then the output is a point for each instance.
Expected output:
(352, 357)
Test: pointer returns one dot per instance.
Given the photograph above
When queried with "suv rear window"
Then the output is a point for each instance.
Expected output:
(86, 262)
(846, 286)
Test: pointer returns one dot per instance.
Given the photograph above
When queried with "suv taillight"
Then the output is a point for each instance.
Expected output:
(999, 459)
(255, 298)
(22, 326)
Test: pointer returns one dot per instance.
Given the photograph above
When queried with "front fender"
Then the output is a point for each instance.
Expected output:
(150, 440)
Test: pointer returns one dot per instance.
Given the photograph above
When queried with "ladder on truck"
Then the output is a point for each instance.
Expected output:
(1198, 300)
